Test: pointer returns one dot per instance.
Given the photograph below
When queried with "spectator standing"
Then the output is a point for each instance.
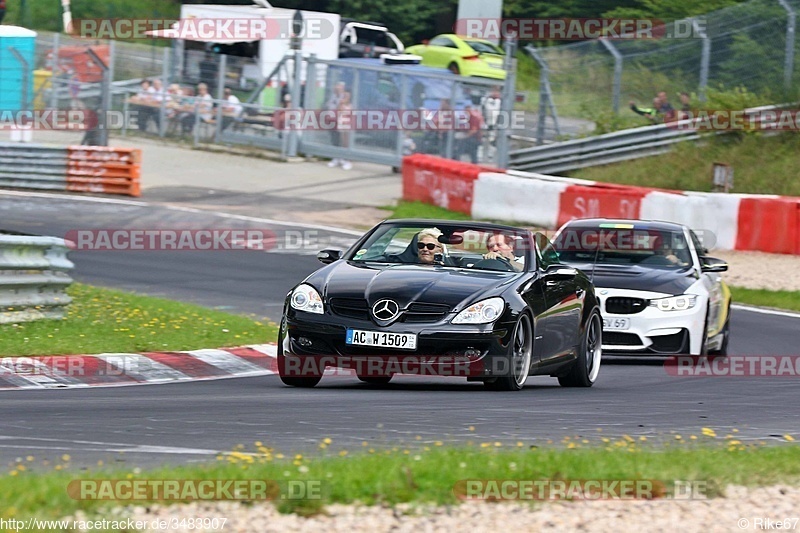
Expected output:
(333, 105)
(474, 136)
(344, 123)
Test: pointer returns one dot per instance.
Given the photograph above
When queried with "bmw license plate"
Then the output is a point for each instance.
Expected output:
(616, 324)
(398, 341)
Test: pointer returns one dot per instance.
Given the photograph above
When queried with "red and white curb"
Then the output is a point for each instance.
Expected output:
(119, 369)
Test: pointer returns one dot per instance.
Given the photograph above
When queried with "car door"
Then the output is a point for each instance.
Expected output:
(563, 299)
(440, 52)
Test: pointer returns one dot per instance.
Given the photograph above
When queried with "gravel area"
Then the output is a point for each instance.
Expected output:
(740, 504)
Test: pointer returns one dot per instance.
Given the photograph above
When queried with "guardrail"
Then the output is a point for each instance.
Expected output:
(612, 147)
(96, 169)
(33, 278)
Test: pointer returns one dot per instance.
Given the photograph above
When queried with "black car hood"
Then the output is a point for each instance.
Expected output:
(407, 284)
(637, 278)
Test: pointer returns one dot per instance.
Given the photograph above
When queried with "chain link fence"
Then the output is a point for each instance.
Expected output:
(747, 51)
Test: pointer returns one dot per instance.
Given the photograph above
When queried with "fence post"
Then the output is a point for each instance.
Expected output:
(545, 97)
(704, 60)
(54, 77)
(112, 53)
(450, 143)
(401, 133)
(162, 109)
(507, 103)
(296, 91)
(105, 92)
(221, 75)
(617, 72)
(788, 68)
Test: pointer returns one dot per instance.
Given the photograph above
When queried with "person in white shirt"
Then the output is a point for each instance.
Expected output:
(205, 103)
(234, 105)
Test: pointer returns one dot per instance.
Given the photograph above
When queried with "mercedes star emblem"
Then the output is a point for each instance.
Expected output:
(385, 310)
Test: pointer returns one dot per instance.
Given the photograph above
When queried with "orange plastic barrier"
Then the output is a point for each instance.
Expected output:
(769, 225)
(104, 169)
(443, 182)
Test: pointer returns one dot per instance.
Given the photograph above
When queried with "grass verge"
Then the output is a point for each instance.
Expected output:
(762, 165)
(767, 298)
(103, 320)
(423, 474)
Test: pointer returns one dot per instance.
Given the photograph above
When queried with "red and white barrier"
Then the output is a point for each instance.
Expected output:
(737, 221)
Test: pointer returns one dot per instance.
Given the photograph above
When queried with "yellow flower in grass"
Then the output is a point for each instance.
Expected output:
(708, 432)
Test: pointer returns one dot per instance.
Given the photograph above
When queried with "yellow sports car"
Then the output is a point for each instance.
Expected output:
(462, 55)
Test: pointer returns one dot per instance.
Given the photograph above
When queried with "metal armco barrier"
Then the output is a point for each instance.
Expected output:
(615, 147)
(33, 278)
(96, 169)
(33, 166)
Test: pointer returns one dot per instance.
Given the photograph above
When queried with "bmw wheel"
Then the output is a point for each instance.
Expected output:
(520, 352)
(584, 372)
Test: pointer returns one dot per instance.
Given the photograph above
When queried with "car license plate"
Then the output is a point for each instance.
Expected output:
(400, 341)
(616, 324)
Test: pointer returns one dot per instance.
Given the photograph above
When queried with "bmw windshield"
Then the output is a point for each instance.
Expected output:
(624, 246)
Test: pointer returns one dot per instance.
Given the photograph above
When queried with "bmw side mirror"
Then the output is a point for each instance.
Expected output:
(712, 264)
(329, 256)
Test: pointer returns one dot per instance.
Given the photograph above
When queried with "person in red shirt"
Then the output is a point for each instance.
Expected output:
(474, 135)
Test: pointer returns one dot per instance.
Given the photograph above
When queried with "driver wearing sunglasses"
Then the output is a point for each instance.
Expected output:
(428, 245)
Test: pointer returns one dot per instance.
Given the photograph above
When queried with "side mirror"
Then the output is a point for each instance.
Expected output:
(329, 256)
(560, 272)
(712, 264)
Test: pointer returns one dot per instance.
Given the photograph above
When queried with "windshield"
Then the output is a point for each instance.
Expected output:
(444, 245)
(624, 246)
(485, 47)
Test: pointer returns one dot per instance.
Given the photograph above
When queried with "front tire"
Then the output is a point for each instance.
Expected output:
(726, 332)
(304, 382)
(520, 352)
(585, 369)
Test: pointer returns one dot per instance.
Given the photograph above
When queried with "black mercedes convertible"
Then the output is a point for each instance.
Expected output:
(488, 302)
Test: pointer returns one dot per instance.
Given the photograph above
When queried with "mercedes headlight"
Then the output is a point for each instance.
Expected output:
(675, 303)
(306, 298)
(481, 312)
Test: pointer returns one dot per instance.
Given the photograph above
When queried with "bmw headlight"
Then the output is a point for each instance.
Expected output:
(306, 298)
(481, 312)
(675, 303)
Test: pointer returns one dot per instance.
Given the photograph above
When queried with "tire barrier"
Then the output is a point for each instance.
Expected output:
(730, 221)
(33, 278)
(93, 169)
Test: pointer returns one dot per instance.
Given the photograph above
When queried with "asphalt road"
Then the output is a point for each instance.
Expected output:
(188, 422)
